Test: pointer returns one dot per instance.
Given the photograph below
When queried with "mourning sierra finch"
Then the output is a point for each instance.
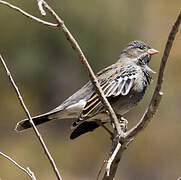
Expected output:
(123, 83)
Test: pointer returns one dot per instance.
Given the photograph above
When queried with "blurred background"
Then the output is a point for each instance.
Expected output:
(47, 71)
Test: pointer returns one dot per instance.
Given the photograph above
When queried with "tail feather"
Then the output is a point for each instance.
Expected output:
(25, 124)
(85, 127)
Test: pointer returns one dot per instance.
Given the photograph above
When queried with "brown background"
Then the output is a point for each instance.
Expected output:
(47, 71)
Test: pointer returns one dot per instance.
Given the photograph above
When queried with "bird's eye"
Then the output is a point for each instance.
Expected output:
(141, 47)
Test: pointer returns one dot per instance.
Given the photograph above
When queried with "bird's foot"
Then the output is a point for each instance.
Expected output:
(123, 123)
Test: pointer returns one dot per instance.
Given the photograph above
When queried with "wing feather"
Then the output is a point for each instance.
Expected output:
(119, 81)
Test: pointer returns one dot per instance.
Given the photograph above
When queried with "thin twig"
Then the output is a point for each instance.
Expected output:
(27, 171)
(109, 163)
(153, 106)
(29, 15)
(40, 6)
(115, 162)
(30, 119)
(32, 173)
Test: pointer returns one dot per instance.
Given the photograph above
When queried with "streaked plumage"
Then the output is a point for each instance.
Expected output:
(124, 84)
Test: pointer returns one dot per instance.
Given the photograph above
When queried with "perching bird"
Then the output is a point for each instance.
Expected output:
(123, 83)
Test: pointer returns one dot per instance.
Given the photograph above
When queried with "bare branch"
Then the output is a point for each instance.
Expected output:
(86, 66)
(60, 24)
(40, 6)
(151, 110)
(31, 121)
(153, 106)
(31, 173)
(115, 162)
(28, 15)
(27, 171)
(109, 163)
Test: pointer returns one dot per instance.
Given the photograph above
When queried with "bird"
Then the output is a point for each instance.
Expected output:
(124, 84)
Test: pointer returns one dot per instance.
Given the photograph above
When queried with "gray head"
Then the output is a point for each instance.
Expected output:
(139, 51)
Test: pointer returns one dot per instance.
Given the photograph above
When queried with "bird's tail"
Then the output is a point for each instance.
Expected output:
(25, 124)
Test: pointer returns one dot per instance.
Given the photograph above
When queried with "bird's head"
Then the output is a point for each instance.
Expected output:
(139, 52)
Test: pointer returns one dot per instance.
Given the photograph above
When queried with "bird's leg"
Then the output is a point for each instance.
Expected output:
(123, 123)
(106, 128)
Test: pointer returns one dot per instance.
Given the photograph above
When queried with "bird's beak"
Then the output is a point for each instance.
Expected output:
(152, 51)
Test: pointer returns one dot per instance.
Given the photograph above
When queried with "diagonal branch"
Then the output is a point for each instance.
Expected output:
(151, 110)
(30, 119)
(111, 159)
(85, 64)
(28, 15)
(27, 170)
(153, 106)
(60, 24)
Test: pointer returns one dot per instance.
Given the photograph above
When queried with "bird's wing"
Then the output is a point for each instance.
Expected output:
(115, 81)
